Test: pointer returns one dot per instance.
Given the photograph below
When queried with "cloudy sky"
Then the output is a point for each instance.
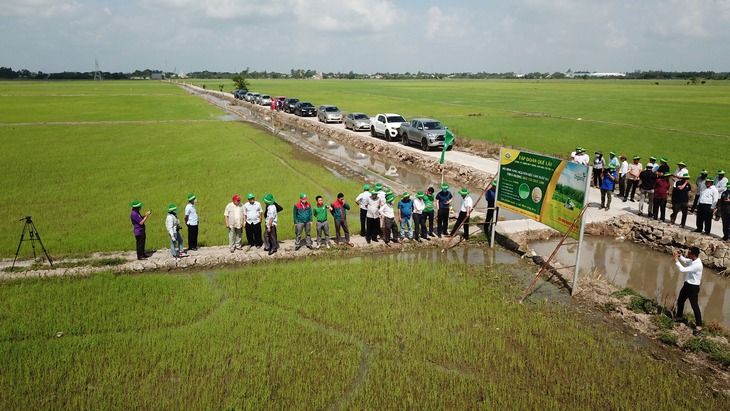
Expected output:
(366, 36)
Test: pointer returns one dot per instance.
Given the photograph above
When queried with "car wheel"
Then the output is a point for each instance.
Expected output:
(424, 144)
(404, 139)
(372, 131)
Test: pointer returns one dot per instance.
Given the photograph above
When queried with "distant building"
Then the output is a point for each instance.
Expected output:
(573, 74)
(157, 76)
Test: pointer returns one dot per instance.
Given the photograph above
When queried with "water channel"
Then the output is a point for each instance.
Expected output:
(650, 272)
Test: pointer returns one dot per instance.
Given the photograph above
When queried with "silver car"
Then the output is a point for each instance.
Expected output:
(357, 122)
(329, 114)
(265, 100)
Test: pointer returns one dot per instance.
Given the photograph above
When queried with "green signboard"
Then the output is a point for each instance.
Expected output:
(545, 189)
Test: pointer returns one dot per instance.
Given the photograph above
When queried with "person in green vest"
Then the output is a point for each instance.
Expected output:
(428, 211)
(320, 211)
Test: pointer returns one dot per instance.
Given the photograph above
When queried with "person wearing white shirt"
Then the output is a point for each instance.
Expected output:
(652, 164)
(234, 223)
(253, 214)
(191, 220)
(362, 202)
(172, 223)
(721, 181)
(699, 186)
(692, 267)
(622, 171)
(272, 219)
(466, 205)
(387, 215)
(419, 220)
(706, 206)
(681, 171)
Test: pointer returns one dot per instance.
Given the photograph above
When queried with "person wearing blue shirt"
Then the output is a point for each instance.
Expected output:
(443, 202)
(491, 197)
(405, 211)
(608, 183)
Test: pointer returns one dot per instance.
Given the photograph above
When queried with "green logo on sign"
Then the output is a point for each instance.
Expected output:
(524, 191)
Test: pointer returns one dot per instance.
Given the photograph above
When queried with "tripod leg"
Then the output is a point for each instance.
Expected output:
(22, 235)
(38, 236)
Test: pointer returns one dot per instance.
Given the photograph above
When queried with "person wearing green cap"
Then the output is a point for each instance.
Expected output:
(632, 179)
(381, 190)
(339, 212)
(419, 222)
(681, 171)
(652, 164)
(706, 205)
(138, 221)
(362, 201)
(373, 215)
(466, 205)
(319, 211)
(608, 183)
(405, 216)
(647, 180)
(612, 160)
(443, 204)
(428, 212)
(724, 210)
(623, 170)
(721, 186)
(191, 220)
(663, 167)
(303, 222)
(680, 200)
(387, 217)
(252, 216)
(271, 242)
(172, 223)
(699, 186)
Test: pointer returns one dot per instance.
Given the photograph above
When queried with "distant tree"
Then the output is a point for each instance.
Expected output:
(7, 72)
(557, 74)
(239, 80)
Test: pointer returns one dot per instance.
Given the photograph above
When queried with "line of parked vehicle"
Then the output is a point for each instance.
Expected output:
(424, 132)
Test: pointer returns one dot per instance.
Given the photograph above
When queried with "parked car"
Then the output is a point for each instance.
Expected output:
(264, 100)
(253, 97)
(427, 132)
(386, 125)
(289, 104)
(305, 109)
(357, 122)
(238, 94)
(327, 113)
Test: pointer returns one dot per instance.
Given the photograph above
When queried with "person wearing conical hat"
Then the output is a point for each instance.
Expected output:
(699, 186)
(405, 216)
(172, 223)
(271, 241)
(362, 201)
(466, 205)
(419, 220)
(443, 201)
(680, 200)
(138, 223)
(706, 205)
(632, 179)
(192, 221)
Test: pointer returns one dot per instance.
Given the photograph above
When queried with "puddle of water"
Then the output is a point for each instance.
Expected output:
(650, 272)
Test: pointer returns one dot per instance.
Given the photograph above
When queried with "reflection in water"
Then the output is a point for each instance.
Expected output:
(652, 273)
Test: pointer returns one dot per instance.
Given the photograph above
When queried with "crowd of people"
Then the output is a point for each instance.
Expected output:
(654, 185)
(382, 218)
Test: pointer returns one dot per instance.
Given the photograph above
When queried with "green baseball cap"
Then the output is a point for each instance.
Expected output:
(250, 196)
(389, 192)
(444, 186)
(366, 187)
(709, 180)
(378, 186)
(464, 192)
(136, 204)
(191, 197)
(171, 208)
(303, 195)
(269, 199)
(494, 183)
(419, 194)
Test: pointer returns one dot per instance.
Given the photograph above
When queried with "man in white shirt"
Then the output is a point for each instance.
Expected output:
(706, 206)
(373, 216)
(387, 215)
(191, 220)
(234, 223)
(466, 205)
(622, 171)
(272, 219)
(362, 202)
(721, 186)
(652, 164)
(681, 171)
(692, 266)
(253, 214)
(419, 220)
(582, 158)
(699, 186)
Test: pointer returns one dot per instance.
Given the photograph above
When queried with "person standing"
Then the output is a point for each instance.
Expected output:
(681, 171)
(612, 160)
(320, 211)
(699, 186)
(598, 164)
(234, 223)
(362, 202)
(692, 267)
(583, 158)
(428, 212)
(680, 199)
(405, 213)
(663, 168)
(191, 220)
(647, 179)
(271, 242)
(253, 214)
(303, 222)
(339, 212)
(622, 172)
(721, 186)
(724, 207)
(138, 221)
(607, 186)
(466, 205)
(387, 215)
(652, 164)
(443, 204)
(491, 197)
(632, 179)
(373, 215)
(172, 223)
(661, 193)
(706, 206)
(419, 222)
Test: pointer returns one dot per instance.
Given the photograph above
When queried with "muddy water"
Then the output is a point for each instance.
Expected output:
(652, 273)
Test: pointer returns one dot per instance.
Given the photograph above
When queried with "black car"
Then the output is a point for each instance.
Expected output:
(289, 104)
(305, 109)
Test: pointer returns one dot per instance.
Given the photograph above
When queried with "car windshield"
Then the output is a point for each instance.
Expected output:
(293, 100)
(305, 104)
(265, 96)
(360, 117)
(331, 108)
(432, 125)
(396, 119)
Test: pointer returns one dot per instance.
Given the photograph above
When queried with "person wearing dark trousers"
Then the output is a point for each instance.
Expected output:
(428, 212)
(373, 215)
(706, 206)
(387, 215)
(419, 221)
(138, 221)
(252, 217)
(362, 202)
(680, 199)
(271, 241)
(724, 207)
(699, 186)
(491, 197)
(466, 205)
(661, 193)
(632, 179)
(692, 267)
(443, 202)
(191, 220)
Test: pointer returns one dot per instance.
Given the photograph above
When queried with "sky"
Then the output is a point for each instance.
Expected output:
(366, 36)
